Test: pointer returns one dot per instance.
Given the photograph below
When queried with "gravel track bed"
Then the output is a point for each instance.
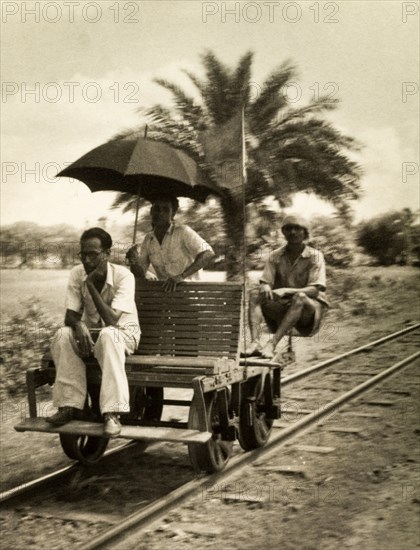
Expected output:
(352, 481)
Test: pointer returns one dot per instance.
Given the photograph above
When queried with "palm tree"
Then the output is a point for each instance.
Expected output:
(289, 149)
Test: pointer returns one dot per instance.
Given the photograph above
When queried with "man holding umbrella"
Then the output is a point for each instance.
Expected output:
(175, 251)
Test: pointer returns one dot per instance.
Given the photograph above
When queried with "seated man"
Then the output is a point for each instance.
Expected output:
(100, 295)
(291, 292)
(176, 252)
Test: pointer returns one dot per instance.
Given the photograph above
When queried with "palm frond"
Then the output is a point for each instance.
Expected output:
(239, 88)
(217, 87)
(270, 99)
(186, 105)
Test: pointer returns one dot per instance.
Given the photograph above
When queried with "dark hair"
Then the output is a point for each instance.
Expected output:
(98, 233)
(301, 226)
(168, 198)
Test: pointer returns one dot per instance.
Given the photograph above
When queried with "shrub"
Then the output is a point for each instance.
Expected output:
(386, 237)
(24, 340)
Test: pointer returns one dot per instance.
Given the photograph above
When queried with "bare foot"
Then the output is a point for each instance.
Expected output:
(254, 350)
(268, 351)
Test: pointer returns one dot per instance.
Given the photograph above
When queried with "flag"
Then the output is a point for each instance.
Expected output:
(224, 147)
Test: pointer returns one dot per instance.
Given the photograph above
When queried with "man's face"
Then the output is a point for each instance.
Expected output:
(295, 234)
(161, 212)
(92, 254)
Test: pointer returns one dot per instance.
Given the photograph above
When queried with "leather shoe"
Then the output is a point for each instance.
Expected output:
(112, 426)
(64, 415)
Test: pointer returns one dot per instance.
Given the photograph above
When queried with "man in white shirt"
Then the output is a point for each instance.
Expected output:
(176, 252)
(100, 296)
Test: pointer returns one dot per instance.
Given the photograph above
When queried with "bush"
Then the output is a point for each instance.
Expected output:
(24, 340)
(386, 237)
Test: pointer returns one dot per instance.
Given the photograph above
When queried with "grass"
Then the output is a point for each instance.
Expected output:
(18, 286)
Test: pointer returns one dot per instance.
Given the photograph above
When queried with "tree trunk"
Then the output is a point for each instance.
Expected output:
(233, 216)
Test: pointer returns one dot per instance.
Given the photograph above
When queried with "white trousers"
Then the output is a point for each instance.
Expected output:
(70, 388)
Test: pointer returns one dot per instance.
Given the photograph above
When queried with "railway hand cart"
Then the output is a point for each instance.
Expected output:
(190, 339)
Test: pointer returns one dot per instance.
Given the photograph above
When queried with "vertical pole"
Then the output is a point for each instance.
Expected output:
(243, 181)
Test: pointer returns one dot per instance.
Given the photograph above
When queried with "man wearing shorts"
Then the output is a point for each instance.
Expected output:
(291, 291)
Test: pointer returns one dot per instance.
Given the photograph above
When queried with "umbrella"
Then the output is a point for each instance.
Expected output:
(142, 167)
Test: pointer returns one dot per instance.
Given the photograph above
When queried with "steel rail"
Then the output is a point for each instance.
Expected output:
(301, 374)
(44, 481)
(116, 537)
(39, 483)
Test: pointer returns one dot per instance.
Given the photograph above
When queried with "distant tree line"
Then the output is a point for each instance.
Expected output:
(390, 238)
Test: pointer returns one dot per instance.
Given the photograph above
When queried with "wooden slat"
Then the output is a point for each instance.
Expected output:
(164, 343)
(127, 432)
(199, 288)
(196, 297)
(175, 361)
(209, 320)
(188, 337)
(211, 332)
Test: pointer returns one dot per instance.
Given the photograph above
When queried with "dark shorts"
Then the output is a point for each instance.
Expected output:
(274, 311)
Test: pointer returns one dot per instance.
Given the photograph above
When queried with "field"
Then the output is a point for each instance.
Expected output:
(47, 285)
(19, 286)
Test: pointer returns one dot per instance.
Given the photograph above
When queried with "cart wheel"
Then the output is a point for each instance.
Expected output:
(145, 404)
(84, 448)
(211, 456)
(254, 427)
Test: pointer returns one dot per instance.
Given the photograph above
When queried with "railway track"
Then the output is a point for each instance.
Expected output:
(305, 405)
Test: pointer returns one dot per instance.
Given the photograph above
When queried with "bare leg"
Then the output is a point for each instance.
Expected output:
(255, 318)
(301, 309)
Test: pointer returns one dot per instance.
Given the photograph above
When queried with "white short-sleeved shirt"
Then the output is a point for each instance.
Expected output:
(117, 292)
(180, 247)
(307, 270)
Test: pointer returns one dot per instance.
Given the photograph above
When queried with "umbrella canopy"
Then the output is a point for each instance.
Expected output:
(141, 167)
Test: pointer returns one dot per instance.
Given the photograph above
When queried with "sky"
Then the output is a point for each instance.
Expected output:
(75, 73)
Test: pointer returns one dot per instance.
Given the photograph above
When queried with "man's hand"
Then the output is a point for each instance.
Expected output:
(83, 339)
(284, 292)
(265, 291)
(98, 275)
(170, 284)
(132, 255)
(151, 276)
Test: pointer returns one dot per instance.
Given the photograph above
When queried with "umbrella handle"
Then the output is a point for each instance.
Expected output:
(138, 198)
(137, 215)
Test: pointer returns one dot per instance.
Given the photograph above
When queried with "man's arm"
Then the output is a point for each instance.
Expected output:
(202, 260)
(109, 315)
(311, 291)
(139, 261)
(82, 335)
(72, 318)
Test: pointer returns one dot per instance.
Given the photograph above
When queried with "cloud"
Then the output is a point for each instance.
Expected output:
(50, 127)
(383, 160)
